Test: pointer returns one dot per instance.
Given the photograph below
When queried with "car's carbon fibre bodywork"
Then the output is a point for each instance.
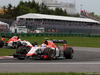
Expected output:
(51, 51)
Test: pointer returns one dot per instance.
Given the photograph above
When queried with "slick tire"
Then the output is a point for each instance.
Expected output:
(21, 53)
(50, 53)
(68, 53)
(1, 43)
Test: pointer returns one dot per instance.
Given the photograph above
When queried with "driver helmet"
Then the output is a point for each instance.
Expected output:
(44, 45)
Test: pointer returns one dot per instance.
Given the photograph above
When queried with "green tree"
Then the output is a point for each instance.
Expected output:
(25, 10)
(94, 15)
(9, 8)
(30, 7)
(44, 9)
(51, 12)
(58, 11)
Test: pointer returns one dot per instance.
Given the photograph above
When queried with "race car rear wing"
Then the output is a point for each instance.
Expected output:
(6, 36)
(59, 41)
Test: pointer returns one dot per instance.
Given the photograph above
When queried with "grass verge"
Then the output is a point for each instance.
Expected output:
(7, 52)
(47, 74)
(71, 41)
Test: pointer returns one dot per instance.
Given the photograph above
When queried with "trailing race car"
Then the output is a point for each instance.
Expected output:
(12, 42)
(48, 50)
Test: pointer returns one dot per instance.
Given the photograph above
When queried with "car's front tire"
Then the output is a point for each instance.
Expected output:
(21, 53)
(50, 53)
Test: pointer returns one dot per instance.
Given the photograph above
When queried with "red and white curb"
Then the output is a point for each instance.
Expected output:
(5, 57)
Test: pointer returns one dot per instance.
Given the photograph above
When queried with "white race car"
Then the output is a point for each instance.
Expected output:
(48, 50)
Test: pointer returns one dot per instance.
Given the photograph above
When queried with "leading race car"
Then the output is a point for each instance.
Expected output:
(48, 50)
(12, 42)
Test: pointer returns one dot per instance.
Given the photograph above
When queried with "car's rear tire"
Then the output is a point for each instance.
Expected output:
(68, 53)
(1, 43)
(50, 53)
(21, 53)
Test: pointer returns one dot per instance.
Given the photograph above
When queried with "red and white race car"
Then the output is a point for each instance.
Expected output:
(48, 50)
(12, 42)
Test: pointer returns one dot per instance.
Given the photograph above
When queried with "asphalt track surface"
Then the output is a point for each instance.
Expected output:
(85, 60)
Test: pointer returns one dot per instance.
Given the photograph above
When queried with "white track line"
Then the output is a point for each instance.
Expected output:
(59, 63)
(5, 57)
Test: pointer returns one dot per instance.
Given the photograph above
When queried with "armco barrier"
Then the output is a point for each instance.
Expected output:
(47, 35)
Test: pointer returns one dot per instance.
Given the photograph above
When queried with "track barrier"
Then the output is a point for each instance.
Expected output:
(49, 35)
